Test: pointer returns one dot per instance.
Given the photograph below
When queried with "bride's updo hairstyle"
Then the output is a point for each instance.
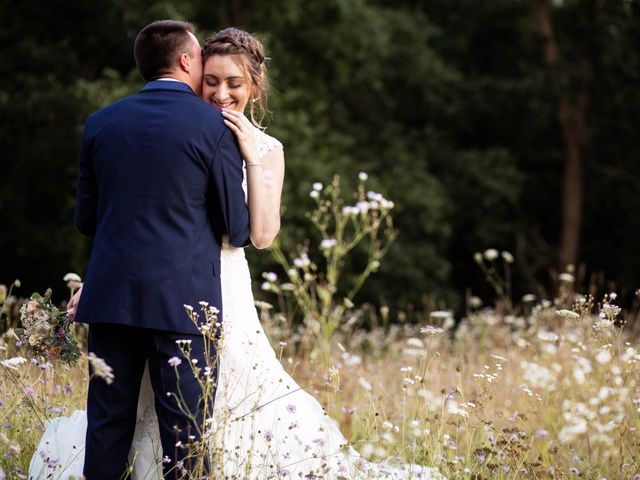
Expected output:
(233, 41)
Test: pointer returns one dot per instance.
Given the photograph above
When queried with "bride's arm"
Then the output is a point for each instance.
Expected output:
(264, 181)
(264, 190)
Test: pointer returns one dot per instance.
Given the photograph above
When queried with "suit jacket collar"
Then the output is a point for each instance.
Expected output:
(170, 86)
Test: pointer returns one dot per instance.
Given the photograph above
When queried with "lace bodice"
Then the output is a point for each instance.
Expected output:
(264, 142)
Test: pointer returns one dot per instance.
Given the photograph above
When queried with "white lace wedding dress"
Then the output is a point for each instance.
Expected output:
(267, 426)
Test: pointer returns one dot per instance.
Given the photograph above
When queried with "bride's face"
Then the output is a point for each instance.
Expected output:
(224, 84)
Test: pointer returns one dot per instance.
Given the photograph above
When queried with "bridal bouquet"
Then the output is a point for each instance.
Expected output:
(45, 330)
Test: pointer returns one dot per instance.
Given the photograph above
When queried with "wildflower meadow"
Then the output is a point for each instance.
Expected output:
(529, 388)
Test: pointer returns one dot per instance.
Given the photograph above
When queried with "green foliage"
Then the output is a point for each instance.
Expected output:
(445, 103)
(324, 291)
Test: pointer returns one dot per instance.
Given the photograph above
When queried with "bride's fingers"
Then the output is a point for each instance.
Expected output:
(231, 113)
(235, 120)
(239, 116)
(234, 128)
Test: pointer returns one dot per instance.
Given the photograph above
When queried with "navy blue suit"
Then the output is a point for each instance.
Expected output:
(159, 185)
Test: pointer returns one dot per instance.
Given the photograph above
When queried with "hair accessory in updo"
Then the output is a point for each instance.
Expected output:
(232, 37)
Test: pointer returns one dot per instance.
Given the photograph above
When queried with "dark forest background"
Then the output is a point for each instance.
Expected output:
(501, 123)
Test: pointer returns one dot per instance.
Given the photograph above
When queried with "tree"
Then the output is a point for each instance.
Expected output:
(572, 118)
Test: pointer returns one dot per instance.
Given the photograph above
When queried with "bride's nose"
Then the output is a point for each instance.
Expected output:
(220, 94)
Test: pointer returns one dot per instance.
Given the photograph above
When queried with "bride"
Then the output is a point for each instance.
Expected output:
(267, 426)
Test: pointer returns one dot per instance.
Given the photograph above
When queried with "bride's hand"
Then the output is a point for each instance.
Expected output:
(243, 129)
(72, 306)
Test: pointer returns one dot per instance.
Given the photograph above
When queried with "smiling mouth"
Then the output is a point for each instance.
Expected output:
(222, 105)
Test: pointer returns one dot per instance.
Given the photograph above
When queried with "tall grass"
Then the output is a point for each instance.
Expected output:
(542, 388)
(543, 395)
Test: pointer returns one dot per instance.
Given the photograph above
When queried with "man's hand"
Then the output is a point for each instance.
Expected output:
(73, 305)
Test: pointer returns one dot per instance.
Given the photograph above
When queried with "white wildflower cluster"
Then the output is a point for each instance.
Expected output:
(374, 202)
(374, 451)
(364, 383)
(209, 327)
(539, 376)
(484, 318)
(475, 302)
(444, 317)
(507, 256)
(73, 280)
(516, 322)
(630, 355)
(431, 331)
(328, 243)
(605, 321)
(350, 360)
(567, 314)
(270, 277)
(434, 401)
(261, 305)
(603, 356)
(492, 254)
(13, 363)
(459, 409)
(581, 419)
(609, 312)
(415, 348)
(302, 261)
(315, 190)
(175, 362)
(566, 277)
(547, 336)
(270, 282)
(487, 375)
(582, 368)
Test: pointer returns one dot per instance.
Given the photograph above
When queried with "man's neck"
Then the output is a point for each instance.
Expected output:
(177, 76)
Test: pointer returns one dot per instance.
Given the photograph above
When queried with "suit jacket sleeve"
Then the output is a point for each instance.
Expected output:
(87, 195)
(228, 177)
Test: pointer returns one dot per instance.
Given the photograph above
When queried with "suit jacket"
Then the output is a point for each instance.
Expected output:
(159, 184)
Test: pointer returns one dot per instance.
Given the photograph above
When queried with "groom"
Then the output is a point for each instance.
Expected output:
(159, 183)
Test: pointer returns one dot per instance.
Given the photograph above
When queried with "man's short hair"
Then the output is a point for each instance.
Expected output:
(158, 46)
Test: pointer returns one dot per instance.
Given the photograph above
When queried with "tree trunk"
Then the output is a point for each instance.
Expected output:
(572, 117)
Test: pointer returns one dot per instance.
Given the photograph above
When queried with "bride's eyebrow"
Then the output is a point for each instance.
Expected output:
(233, 77)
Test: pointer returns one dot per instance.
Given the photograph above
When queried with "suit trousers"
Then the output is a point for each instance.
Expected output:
(112, 408)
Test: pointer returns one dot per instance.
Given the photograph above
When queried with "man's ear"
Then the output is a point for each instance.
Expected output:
(185, 62)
